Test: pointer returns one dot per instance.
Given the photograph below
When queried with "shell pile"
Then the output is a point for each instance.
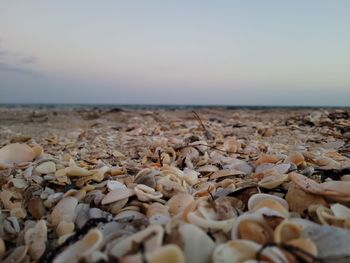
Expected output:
(172, 187)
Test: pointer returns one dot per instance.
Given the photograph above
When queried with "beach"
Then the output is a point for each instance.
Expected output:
(174, 183)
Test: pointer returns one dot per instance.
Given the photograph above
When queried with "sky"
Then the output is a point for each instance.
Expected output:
(230, 52)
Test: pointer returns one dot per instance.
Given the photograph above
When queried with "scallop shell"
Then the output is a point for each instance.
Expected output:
(197, 245)
(15, 154)
(90, 242)
(117, 195)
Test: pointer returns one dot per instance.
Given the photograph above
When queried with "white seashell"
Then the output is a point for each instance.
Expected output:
(117, 195)
(82, 248)
(19, 183)
(179, 202)
(46, 168)
(273, 181)
(237, 251)
(151, 237)
(130, 214)
(15, 154)
(224, 225)
(207, 168)
(64, 210)
(197, 245)
(113, 185)
(340, 211)
(255, 199)
(35, 238)
(190, 176)
(145, 193)
(282, 168)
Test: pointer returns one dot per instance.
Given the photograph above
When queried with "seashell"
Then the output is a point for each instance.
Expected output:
(299, 201)
(117, 195)
(19, 183)
(147, 177)
(190, 176)
(255, 199)
(306, 184)
(304, 244)
(115, 207)
(194, 240)
(77, 171)
(131, 214)
(287, 231)
(236, 251)
(179, 202)
(18, 212)
(11, 225)
(263, 167)
(169, 188)
(224, 173)
(17, 255)
(113, 185)
(145, 193)
(64, 228)
(82, 248)
(2, 248)
(273, 181)
(6, 197)
(340, 211)
(296, 158)
(282, 168)
(345, 177)
(15, 154)
(82, 212)
(252, 227)
(46, 168)
(77, 194)
(207, 169)
(266, 159)
(168, 253)
(151, 238)
(35, 238)
(158, 214)
(231, 145)
(64, 210)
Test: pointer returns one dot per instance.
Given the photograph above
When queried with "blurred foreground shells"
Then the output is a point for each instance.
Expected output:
(238, 188)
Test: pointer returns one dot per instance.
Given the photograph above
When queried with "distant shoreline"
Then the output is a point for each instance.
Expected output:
(157, 106)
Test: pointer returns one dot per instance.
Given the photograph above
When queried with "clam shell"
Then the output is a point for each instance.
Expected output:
(340, 211)
(64, 210)
(273, 181)
(64, 228)
(117, 195)
(15, 154)
(287, 231)
(197, 245)
(169, 253)
(145, 193)
(35, 238)
(46, 168)
(77, 171)
(304, 244)
(254, 200)
(90, 242)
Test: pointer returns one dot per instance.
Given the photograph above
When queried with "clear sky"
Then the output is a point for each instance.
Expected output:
(262, 52)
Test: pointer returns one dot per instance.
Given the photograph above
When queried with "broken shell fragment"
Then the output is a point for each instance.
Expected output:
(90, 242)
(64, 210)
(117, 195)
(146, 193)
